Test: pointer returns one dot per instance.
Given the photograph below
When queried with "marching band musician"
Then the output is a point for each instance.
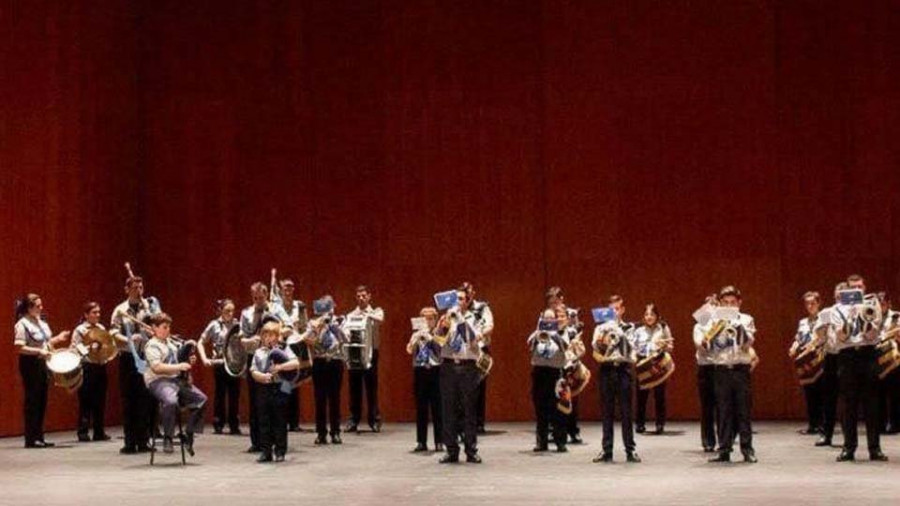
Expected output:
(297, 320)
(137, 409)
(651, 338)
(555, 300)
(92, 394)
(889, 387)
(34, 343)
(484, 324)
(460, 377)
(162, 377)
(548, 358)
(426, 353)
(706, 388)
(614, 340)
(367, 377)
(860, 324)
(272, 399)
(325, 340)
(729, 344)
(227, 387)
(803, 340)
(252, 320)
(826, 335)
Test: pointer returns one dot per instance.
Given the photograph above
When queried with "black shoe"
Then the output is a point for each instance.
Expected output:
(144, 448)
(480, 430)
(750, 457)
(336, 439)
(721, 457)
(438, 447)
(473, 458)
(632, 457)
(709, 449)
(603, 457)
(846, 456)
(540, 448)
(188, 442)
(561, 448)
(264, 457)
(293, 428)
(102, 437)
(279, 457)
(640, 429)
(168, 446)
(877, 456)
(660, 429)
(575, 439)
(39, 444)
(449, 459)
(254, 449)
(126, 450)
(421, 447)
(321, 440)
(809, 431)
(823, 441)
(217, 430)
(84, 438)
(376, 427)
(352, 427)
(235, 431)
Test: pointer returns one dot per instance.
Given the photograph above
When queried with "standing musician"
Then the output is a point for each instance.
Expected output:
(227, 387)
(369, 376)
(165, 382)
(460, 376)
(706, 388)
(252, 320)
(34, 343)
(484, 324)
(426, 353)
(555, 300)
(729, 343)
(297, 320)
(651, 338)
(613, 343)
(272, 395)
(325, 339)
(804, 340)
(548, 344)
(137, 409)
(92, 394)
(860, 325)
(889, 387)
(826, 334)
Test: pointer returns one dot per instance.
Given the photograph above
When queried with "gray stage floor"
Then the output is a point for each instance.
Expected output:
(371, 468)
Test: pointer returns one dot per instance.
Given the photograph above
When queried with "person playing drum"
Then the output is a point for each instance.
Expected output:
(92, 394)
(34, 343)
(804, 340)
(649, 339)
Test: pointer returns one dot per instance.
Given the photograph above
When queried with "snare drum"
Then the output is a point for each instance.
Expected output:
(65, 366)
(484, 363)
(809, 365)
(654, 370)
(888, 357)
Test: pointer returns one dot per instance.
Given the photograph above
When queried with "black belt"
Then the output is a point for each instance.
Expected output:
(732, 366)
(616, 364)
(460, 361)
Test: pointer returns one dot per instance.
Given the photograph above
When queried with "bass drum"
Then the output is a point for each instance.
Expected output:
(65, 366)
(654, 370)
(301, 350)
(888, 358)
(234, 353)
(809, 365)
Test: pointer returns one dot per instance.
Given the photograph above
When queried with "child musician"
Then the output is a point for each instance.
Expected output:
(649, 339)
(92, 394)
(272, 395)
(426, 355)
(227, 386)
(548, 345)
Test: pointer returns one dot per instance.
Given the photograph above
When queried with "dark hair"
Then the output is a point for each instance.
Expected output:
(553, 291)
(133, 280)
(286, 282)
(259, 286)
(467, 287)
(854, 278)
(616, 298)
(362, 288)
(811, 295)
(655, 310)
(730, 290)
(221, 303)
(159, 319)
(25, 303)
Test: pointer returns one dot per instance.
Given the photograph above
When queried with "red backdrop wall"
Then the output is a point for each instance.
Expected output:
(658, 151)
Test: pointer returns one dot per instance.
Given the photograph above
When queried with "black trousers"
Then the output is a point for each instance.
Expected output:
(830, 386)
(659, 401)
(889, 401)
(92, 399)
(616, 382)
(572, 419)
(252, 392)
(271, 408)
(481, 403)
(327, 376)
(815, 414)
(292, 411)
(369, 378)
(543, 396)
(857, 371)
(706, 389)
(137, 414)
(459, 394)
(427, 388)
(228, 388)
(35, 382)
(733, 402)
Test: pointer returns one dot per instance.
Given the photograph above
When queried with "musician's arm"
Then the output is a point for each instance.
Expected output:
(201, 346)
(22, 348)
(290, 365)
(115, 328)
(156, 364)
(376, 314)
(699, 336)
(487, 317)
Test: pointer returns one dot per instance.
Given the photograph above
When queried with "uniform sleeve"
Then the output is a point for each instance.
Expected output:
(154, 354)
(21, 335)
(750, 329)
(488, 317)
(377, 314)
(77, 336)
(246, 331)
(699, 334)
(254, 364)
(207, 335)
(115, 322)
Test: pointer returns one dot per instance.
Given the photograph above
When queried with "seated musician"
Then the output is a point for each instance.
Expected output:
(165, 382)
(426, 354)
(650, 338)
(548, 358)
(272, 396)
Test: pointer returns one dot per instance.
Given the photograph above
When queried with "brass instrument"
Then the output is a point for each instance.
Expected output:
(871, 309)
(100, 345)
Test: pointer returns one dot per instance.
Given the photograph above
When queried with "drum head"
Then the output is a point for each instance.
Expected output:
(63, 362)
